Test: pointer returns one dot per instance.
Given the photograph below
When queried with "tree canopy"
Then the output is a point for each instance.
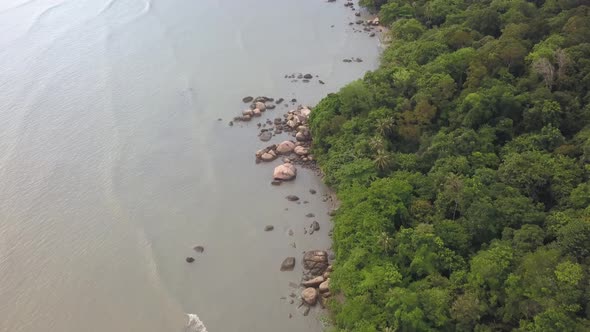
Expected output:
(462, 164)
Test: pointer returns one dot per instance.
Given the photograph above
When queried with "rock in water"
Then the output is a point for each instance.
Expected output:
(190, 259)
(288, 264)
(316, 261)
(268, 228)
(292, 198)
(199, 249)
(310, 296)
(286, 147)
(265, 136)
(285, 172)
(315, 282)
(261, 106)
(248, 99)
(315, 226)
(308, 76)
(301, 151)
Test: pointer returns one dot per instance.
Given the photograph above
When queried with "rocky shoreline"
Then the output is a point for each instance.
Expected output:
(294, 150)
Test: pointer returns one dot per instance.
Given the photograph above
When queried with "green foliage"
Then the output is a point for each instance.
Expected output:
(462, 167)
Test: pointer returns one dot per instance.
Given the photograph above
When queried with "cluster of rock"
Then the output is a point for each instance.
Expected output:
(294, 152)
(258, 106)
(305, 78)
(352, 60)
(199, 250)
(316, 278)
(369, 26)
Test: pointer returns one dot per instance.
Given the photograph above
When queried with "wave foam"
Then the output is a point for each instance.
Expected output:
(195, 324)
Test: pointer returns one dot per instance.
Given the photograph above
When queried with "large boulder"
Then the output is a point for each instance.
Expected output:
(315, 261)
(315, 282)
(288, 264)
(310, 296)
(285, 172)
(286, 147)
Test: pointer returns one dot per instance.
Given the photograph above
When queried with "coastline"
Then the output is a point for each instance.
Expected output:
(283, 112)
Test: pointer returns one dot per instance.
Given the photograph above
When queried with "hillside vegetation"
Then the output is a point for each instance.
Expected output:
(462, 165)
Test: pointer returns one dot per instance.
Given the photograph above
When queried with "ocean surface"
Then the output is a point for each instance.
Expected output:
(113, 163)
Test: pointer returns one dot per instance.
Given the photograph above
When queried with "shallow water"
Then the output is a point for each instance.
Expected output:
(113, 164)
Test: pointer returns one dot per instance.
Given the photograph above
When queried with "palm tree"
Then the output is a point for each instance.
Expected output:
(377, 143)
(385, 126)
(382, 160)
(385, 241)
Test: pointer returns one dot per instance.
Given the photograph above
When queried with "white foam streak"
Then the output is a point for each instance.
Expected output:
(195, 324)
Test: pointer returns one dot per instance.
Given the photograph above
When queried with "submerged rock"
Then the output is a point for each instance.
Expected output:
(268, 228)
(189, 259)
(199, 249)
(248, 99)
(292, 198)
(288, 264)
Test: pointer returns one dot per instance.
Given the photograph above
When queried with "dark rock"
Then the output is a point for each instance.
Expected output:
(293, 100)
(372, 34)
(288, 264)
(312, 191)
(199, 249)
(268, 228)
(189, 259)
(308, 76)
(315, 226)
(248, 99)
(306, 311)
(231, 123)
(321, 82)
(265, 136)
(346, 60)
(310, 215)
(292, 198)
(357, 14)
(276, 182)
(305, 81)
(358, 60)
(280, 100)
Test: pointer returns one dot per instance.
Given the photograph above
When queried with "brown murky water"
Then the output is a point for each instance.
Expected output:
(113, 164)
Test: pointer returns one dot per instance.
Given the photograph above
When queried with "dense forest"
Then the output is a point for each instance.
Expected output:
(462, 167)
